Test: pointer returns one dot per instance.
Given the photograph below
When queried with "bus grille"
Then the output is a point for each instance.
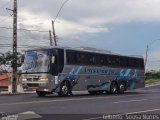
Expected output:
(32, 79)
(32, 84)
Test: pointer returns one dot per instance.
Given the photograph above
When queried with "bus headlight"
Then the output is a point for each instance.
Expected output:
(24, 79)
(44, 79)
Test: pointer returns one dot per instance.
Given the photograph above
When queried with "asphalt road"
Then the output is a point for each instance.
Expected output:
(83, 106)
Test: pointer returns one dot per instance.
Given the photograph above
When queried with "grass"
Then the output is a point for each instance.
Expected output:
(151, 81)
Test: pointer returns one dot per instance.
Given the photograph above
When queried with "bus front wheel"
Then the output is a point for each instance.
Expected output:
(41, 93)
(65, 89)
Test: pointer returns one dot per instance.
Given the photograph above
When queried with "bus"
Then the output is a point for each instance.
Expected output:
(63, 70)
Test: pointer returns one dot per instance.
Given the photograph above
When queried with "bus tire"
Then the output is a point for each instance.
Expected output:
(65, 89)
(41, 93)
(114, 88)
(122, 87)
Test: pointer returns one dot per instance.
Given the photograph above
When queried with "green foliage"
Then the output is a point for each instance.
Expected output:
(2, 59)
(152, 74)
(152, 81)
(152, 77)
(8, 58)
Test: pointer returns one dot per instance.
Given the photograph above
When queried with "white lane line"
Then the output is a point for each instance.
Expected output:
(145, 111)
(130, 101)
(130, 113)
(93, 118)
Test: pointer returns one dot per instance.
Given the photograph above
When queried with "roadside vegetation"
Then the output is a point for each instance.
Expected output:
(6, 61)
(152, 77)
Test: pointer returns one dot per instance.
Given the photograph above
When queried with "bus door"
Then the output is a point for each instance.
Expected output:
(57, 64)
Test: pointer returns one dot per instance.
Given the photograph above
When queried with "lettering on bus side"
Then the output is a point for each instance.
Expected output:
(99, 71)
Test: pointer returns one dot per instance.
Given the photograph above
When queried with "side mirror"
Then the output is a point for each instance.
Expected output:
(53, 59)
(54, 69)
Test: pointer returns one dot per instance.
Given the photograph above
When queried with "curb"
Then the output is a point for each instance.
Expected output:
(10, 94)
(152, 85)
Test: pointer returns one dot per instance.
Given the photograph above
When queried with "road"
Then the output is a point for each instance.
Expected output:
(83, 106)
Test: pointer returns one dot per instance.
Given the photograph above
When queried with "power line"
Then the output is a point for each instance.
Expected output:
(5, 36)
(23, 29)
(154, 60)
(21, 45)
(29, 40)
(153, 65)
(5, 4)
(4, 19)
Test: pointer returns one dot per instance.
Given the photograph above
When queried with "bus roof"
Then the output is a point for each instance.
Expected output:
(86, 49)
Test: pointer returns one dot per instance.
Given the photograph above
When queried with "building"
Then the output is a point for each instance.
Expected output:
(4, 81)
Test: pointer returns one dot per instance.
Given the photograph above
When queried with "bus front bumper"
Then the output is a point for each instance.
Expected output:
(35, 86)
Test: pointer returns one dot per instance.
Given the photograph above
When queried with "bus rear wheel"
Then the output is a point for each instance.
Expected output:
(41, 93)
(113, 88)
(122, 87)
(65, 89)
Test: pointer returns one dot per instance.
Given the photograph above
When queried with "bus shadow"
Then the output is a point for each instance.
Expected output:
(54, 95)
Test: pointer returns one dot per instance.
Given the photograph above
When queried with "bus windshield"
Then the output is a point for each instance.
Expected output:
(36, 62)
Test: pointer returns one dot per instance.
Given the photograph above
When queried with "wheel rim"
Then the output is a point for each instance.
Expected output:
(65, 90)
(122, 87)
(113, 88)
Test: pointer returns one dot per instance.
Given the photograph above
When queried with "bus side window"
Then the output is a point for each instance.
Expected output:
(83, 58)
(71, 57)
(109, 60)
(91, 59)
(102, 60)
(141, 64)
(124, 62)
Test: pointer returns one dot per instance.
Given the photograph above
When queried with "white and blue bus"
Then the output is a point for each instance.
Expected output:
(63, 70)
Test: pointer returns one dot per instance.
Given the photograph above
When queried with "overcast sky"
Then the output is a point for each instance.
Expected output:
(121, 26)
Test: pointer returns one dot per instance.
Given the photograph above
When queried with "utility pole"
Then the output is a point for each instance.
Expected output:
(54, 34)
(146, 57)
(50, 35)
(145, 63)
(14, 64)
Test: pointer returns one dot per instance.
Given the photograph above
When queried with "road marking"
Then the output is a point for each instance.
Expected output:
(131, 101)
(64, 100)
(93, 118)
(143, 111)
(28, 115)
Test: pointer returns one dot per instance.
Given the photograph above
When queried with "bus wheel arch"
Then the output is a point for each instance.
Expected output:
(41, 93)
(114, 87)
(92, 92)
(65, 88)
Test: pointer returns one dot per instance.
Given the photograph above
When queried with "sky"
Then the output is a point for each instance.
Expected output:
(121, 26)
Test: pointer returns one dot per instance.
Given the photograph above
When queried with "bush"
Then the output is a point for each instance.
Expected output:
(152, 74)
(152, 77)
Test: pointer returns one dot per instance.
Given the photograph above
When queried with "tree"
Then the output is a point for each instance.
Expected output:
(6, 60)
